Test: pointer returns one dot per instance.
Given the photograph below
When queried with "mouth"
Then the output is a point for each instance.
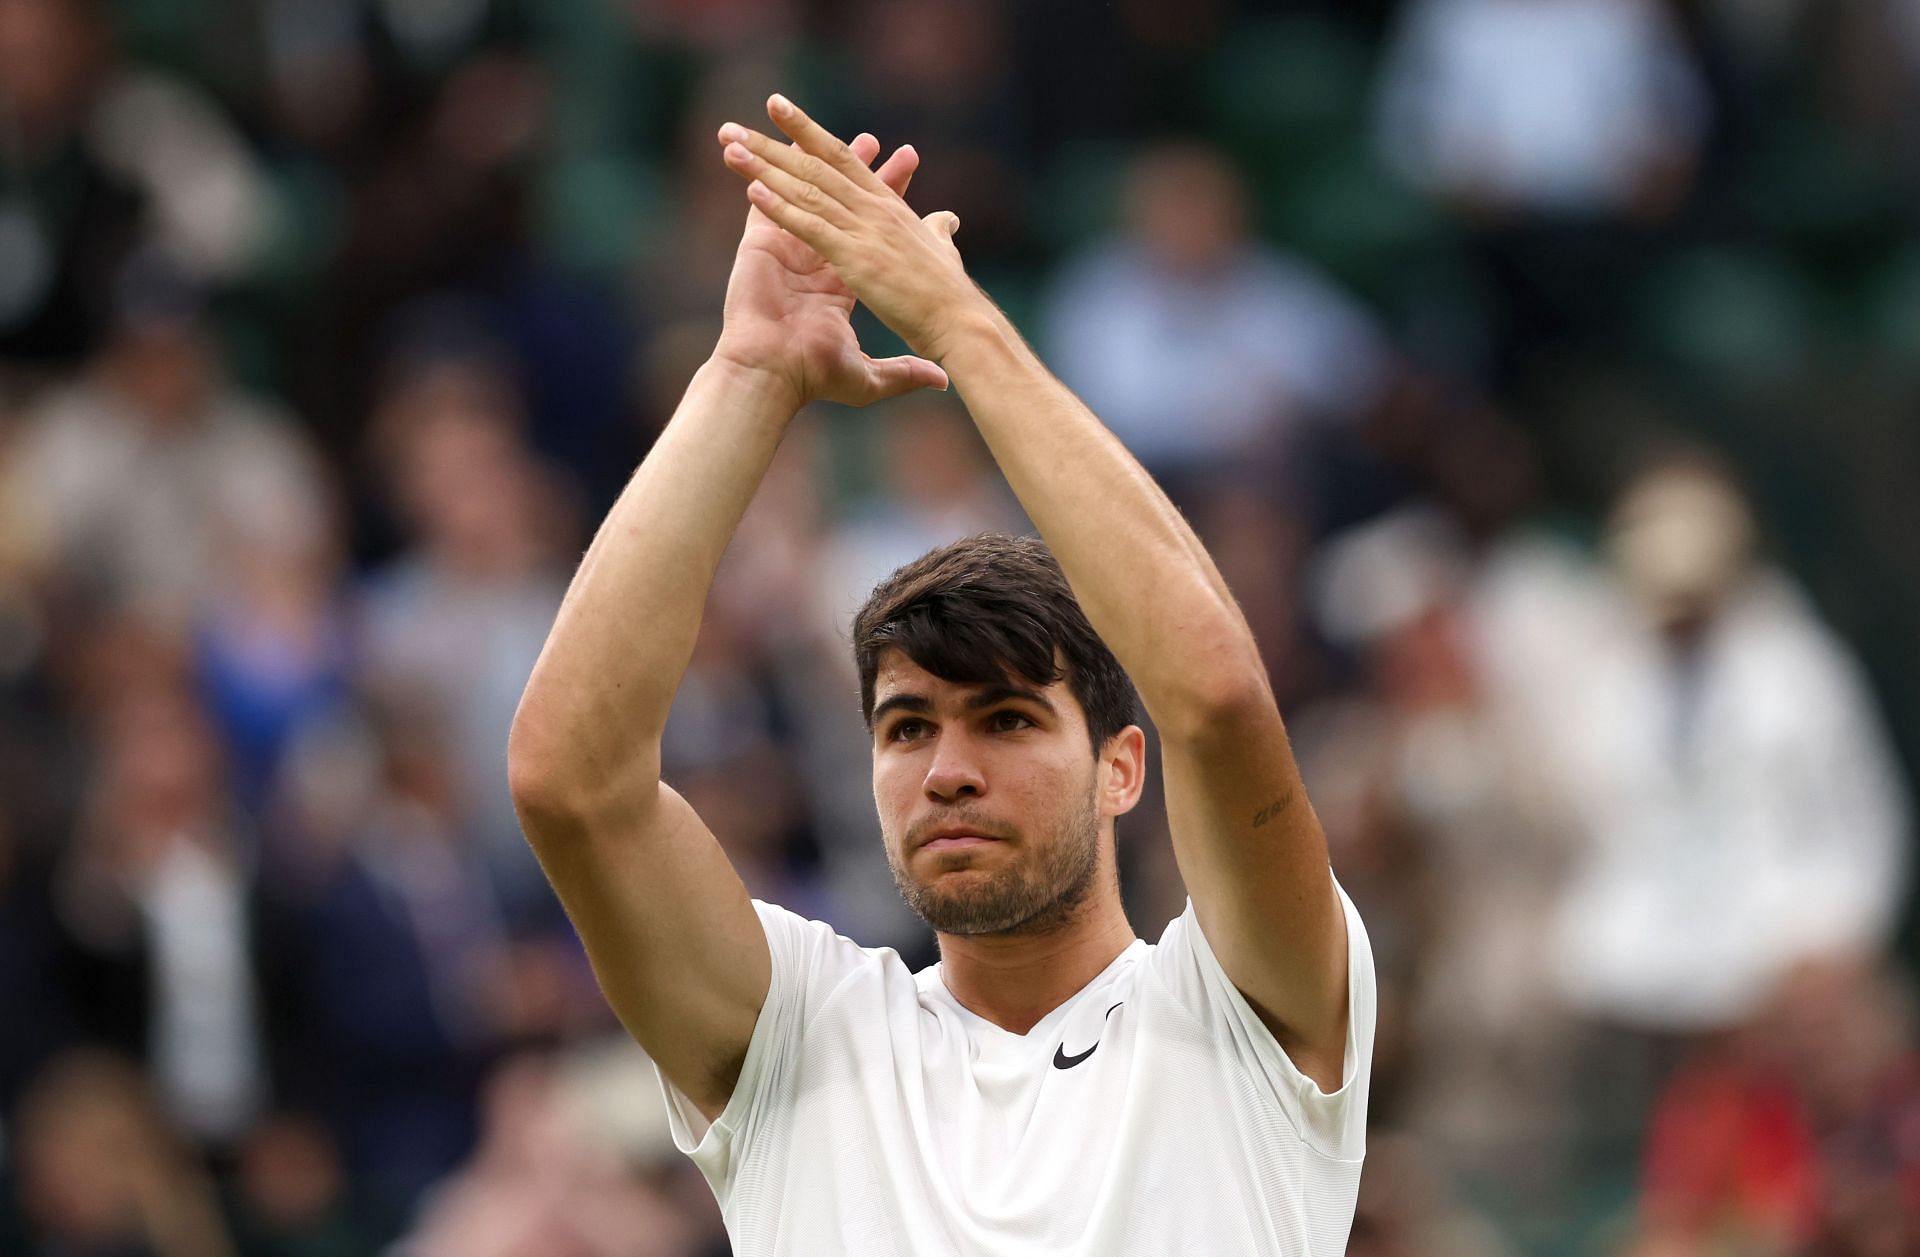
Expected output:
(956, 842)
(955, 838)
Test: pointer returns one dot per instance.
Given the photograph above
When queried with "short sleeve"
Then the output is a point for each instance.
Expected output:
(809, 960)
(1332, 1124)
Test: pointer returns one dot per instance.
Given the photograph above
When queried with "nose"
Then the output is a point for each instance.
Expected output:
(955, 771)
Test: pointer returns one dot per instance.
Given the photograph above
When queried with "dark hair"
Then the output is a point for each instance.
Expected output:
(975, 610)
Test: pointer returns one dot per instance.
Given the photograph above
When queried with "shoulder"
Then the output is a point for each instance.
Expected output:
(813, 962)
(1185, 969)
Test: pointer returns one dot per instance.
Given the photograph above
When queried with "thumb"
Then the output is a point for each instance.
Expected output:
(946, 222)
(890, 377)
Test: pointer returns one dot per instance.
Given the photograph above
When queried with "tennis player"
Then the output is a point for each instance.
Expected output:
(1053, 1085)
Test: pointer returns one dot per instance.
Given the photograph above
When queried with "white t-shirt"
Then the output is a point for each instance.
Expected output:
(1152, 1113)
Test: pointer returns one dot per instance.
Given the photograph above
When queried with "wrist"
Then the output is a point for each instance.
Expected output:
(767, 387)
(981, 331)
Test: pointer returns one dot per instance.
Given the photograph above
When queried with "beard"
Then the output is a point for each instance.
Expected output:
(1035, 893)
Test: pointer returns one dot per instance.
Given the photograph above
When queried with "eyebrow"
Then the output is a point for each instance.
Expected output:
(989, 697)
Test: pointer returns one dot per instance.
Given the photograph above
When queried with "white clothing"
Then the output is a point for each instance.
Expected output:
(1550, 104)
(147, 510)
(205, 1041)
(1151, 1113)
(1746, 814)
(1191, 370)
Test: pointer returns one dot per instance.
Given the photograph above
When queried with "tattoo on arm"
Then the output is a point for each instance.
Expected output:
(1273, 809)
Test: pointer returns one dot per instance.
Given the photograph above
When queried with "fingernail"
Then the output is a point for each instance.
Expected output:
(730, 132)
(758, 190)
(780, 104)
(738, 152)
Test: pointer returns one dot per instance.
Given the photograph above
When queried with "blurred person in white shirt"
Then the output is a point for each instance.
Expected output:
(126, 481)
(1745, 809)
(1199, 345)
(1579, 107)
(1563, 134)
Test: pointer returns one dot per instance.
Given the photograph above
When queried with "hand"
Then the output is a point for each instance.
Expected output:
(905, 268)
(787, 312)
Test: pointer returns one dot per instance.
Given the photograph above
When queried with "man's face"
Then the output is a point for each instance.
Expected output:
(989, 799)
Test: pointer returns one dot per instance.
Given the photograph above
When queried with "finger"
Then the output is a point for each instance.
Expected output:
(946, 222)
(820, 142)
(890, 377)
(809, 227)
(802, 165)
(796, 191)
(898, 171)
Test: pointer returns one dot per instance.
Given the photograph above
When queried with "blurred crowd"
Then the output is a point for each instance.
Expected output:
(1541, 374)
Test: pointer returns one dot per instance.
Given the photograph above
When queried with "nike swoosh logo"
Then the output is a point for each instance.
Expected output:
(1062, 1061)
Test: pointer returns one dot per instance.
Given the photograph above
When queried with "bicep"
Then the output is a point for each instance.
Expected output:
(673, 938)
(1255, 862)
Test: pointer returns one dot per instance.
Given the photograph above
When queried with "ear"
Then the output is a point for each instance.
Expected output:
(1123, 771)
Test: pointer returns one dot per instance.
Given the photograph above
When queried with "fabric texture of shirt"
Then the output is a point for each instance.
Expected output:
(1150, 1113)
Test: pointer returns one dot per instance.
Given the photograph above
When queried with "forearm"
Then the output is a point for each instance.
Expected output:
(597, 702)
(1144, 579)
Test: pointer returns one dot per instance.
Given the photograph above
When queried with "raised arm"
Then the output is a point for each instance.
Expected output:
(1248, 844)
(667, 923)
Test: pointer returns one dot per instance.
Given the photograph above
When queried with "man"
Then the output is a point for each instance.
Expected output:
(1053, 1085)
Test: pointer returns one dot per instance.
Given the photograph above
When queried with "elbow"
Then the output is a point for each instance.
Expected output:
(534, 777)
(558, 780)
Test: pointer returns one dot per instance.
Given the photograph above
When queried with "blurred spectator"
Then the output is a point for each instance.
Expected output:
(337, 75)
(1799, 1133)
(1431, 754)
(1849, 1030)
(68, 220)
(458, 618)
(272, 642)
(128, 480)
(1550, 107)
(1561, 130)
(102, 1175)
(158, 904)
(406, 987)
(1198, 345)
(100, 158)
(437, 197)
(1743, 805)
(545, 1182)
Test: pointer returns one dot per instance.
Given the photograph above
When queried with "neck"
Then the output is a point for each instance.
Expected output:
(1013, 979)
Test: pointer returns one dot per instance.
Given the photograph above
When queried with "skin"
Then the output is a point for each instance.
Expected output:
(668, 926)
(1033, 915)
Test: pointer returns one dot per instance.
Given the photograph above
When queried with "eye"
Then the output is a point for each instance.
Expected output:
(906, 731)
(1008, 721)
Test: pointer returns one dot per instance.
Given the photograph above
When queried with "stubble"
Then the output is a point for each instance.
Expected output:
(1036, 893)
